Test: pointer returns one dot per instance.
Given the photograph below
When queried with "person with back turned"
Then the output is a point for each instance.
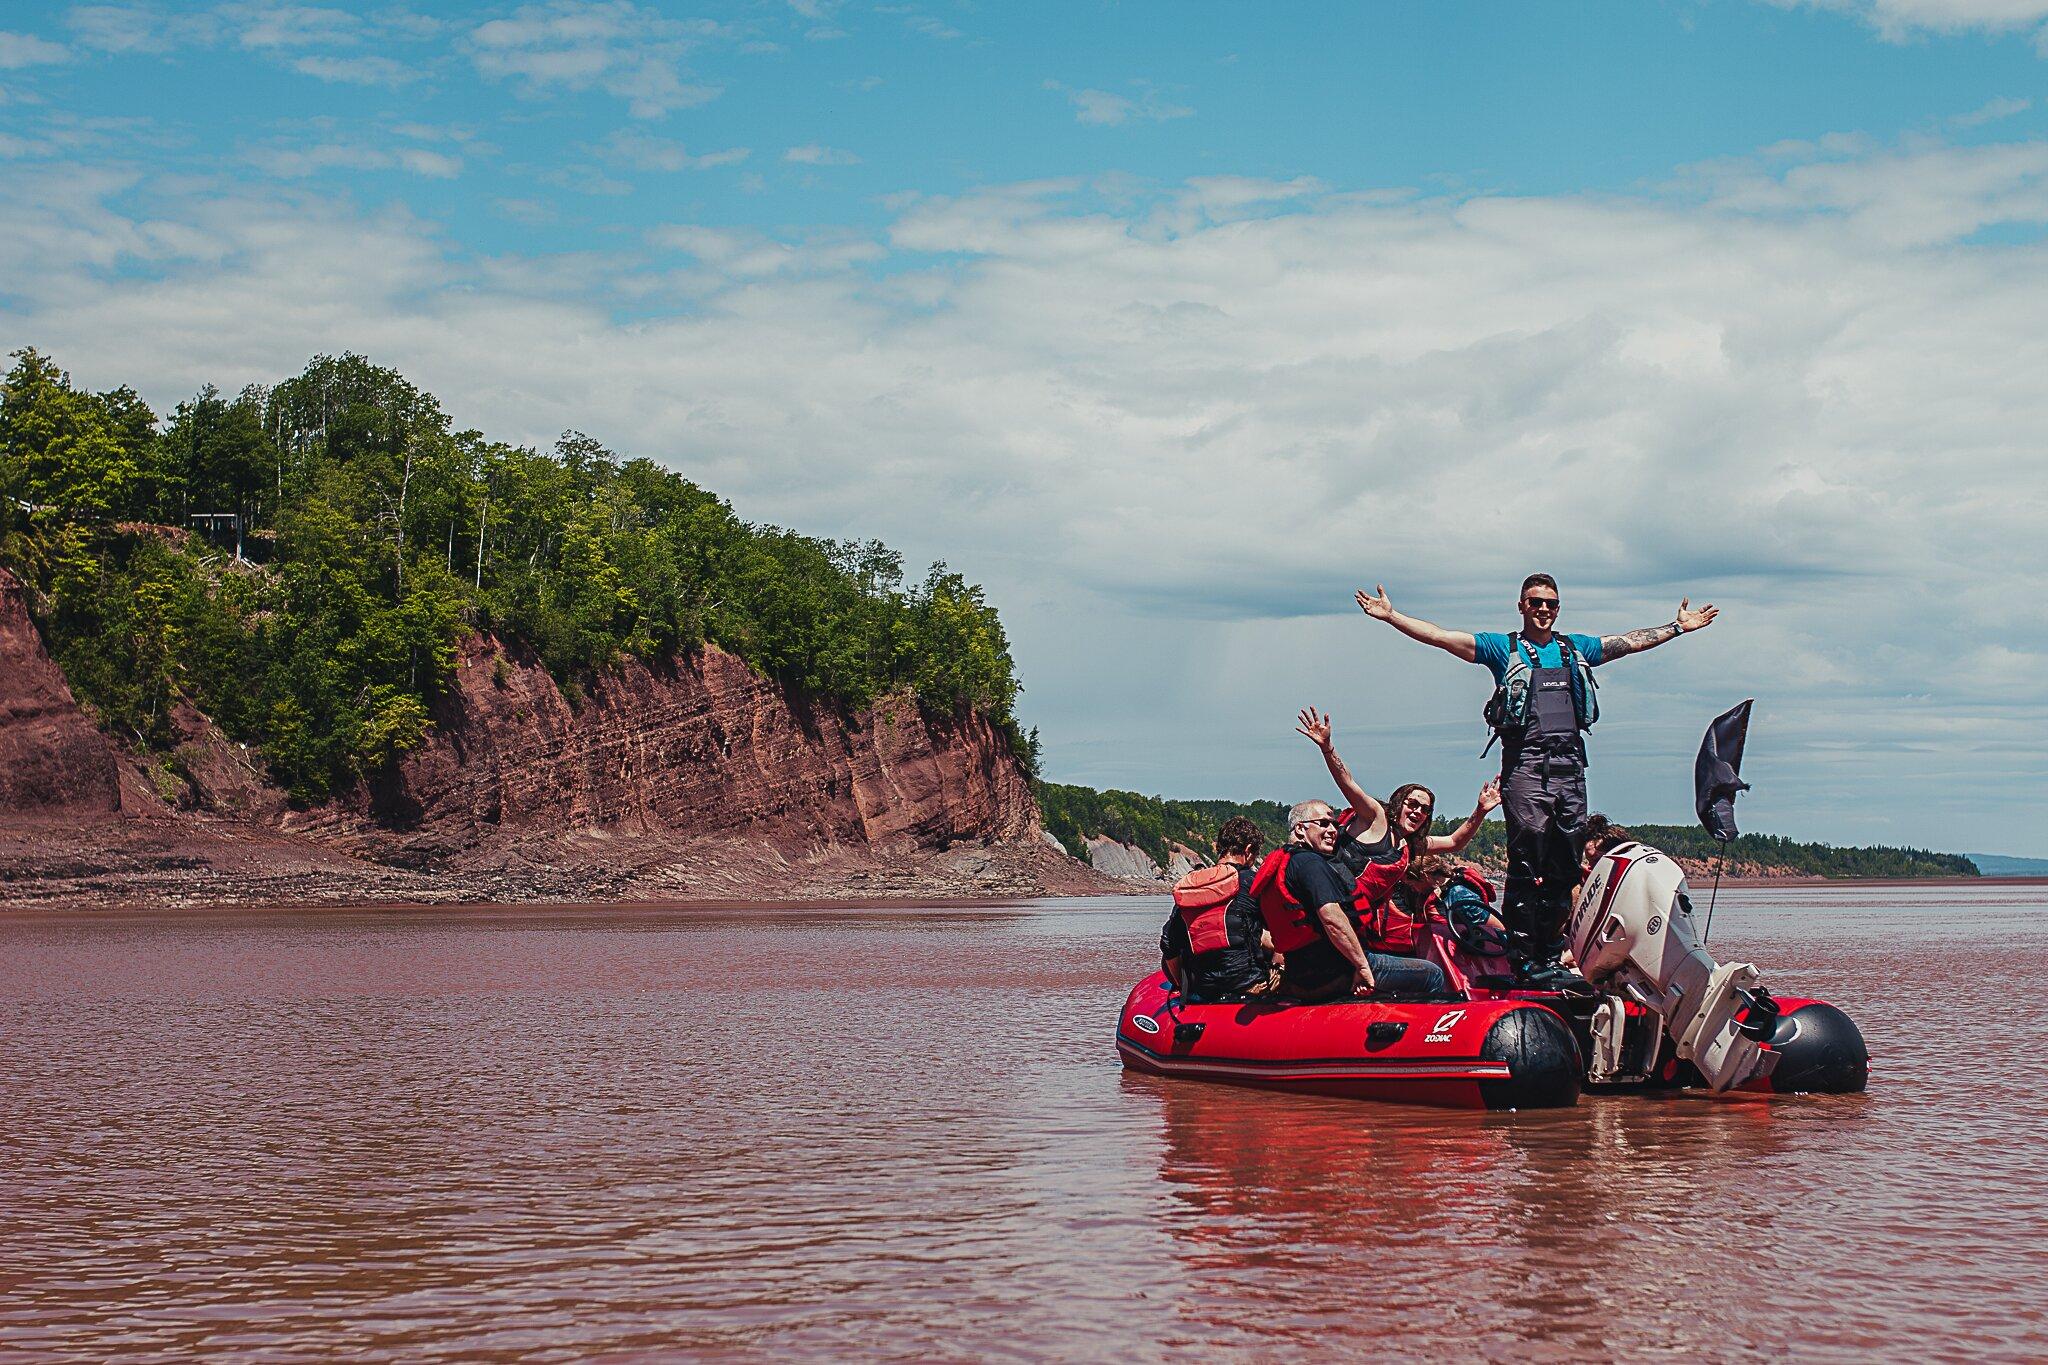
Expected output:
(1544, 699)
(1214, 944)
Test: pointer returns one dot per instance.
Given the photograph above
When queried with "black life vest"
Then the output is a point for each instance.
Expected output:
(1507, 710)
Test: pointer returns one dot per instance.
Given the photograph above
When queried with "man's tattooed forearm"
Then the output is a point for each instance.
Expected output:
(1614, 646)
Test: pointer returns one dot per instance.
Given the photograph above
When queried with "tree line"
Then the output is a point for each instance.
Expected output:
(299, 561)
(1074, 814)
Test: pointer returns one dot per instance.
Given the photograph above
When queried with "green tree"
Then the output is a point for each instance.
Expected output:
(66, 451)
(220, 456)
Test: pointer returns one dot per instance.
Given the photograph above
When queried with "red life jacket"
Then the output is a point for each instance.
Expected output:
(1202, 899)
(1476, 879)
(1384, 925)
(1292, 924)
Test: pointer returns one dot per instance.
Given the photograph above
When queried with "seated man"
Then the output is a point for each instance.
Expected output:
(1214, 945)
(1307, 908)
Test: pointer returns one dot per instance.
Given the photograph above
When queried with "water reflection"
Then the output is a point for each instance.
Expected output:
(1604, 1229)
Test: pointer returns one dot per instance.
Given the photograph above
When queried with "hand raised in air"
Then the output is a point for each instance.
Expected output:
(1689, 621)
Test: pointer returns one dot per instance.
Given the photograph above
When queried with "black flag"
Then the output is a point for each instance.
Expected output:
(1717, 772)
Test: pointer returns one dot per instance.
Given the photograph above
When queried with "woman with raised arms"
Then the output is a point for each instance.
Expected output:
(1377, 841)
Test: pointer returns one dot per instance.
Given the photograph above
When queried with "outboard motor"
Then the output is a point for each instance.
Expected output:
(1632, 933)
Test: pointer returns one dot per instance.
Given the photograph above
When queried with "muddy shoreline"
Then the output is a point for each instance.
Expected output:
(169, 865)
(159, 865)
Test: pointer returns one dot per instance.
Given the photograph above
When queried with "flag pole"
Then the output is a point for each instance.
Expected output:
(1714, 895)
(1716, 782)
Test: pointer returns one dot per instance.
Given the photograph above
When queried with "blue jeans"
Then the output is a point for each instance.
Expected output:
(1319, 972)
(1404, 975)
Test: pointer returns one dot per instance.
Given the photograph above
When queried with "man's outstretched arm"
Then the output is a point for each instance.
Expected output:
(1455, 642)
(1614, 647)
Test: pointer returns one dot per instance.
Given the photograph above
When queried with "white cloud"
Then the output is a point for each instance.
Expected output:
(1171, 443)
(1917, 194)
(296, 163)
(744, 253)
(1900, 19)
(138, 28)
(356, 70)
(1109, 109)
(585, 180)
(651, 153)
(274, 24)
(58, 133)
(813, 154)
(1223, 193)
(917, 21)
(612, 45)
(529, 211)
(18, 50)
(419, 161)
(1992, 112)
(458, 133)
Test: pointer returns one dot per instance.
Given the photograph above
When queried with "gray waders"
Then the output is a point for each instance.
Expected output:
(1543, 796)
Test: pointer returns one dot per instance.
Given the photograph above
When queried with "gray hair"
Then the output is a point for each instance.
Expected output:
(1306, 810)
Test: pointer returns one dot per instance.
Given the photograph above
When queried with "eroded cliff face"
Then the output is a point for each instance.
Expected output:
(55, 765)
(703, 747)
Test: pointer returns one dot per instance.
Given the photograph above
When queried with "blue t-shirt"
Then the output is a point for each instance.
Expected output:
(1492, 651)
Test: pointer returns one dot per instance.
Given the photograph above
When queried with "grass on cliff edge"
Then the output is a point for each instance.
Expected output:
(1075, 814)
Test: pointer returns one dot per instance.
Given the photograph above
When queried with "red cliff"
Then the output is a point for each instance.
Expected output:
(703, 747)
(693, 778)
(55, 765)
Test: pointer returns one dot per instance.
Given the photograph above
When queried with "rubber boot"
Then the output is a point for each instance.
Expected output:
(1544, 969)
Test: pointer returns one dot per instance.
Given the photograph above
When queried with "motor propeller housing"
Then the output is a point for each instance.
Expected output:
(1632, 934)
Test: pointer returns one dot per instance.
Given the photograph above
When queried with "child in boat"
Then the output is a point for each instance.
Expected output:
(1463, 935)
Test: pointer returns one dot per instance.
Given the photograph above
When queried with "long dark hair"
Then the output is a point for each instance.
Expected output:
(1418, 845)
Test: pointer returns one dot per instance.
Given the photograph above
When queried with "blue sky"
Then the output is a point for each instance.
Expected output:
(1173, 323)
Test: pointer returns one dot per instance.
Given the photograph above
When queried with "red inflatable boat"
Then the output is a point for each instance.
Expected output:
(1659, 1013)
(1517, 1050)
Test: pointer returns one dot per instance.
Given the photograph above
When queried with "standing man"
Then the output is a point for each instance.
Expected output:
(1544, 697)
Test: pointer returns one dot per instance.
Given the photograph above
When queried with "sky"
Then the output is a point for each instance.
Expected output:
(1173, 324)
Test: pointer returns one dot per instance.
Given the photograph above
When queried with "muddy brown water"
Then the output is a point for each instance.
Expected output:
(871, 1133)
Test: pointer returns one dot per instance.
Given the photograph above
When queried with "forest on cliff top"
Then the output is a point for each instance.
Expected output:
(298, 561)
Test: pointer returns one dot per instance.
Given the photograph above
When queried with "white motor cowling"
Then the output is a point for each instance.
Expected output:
(1632, 934)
